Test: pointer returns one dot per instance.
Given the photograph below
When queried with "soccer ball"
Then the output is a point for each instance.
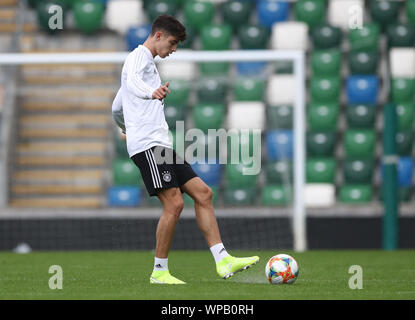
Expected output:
(281, 269)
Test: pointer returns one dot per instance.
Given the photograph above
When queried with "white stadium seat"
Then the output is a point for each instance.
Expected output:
(319, 195)
(345, 13)
(402, 62)
(176, 69)
(246, 115)
(289, 36)
(123, 14)
(280, 89)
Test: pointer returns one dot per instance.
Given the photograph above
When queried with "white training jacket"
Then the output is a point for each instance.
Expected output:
(133, 109)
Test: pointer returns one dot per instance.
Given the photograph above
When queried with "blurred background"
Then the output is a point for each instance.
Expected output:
(67, 181)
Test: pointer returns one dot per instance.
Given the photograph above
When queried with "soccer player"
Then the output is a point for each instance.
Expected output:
(138, 109)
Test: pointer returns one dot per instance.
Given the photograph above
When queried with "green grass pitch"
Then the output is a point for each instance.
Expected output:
(101, 275)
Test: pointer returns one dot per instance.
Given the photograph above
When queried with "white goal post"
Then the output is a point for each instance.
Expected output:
(299, 70)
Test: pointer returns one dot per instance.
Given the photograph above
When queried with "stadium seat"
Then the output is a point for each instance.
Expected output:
(326, 63)
(279, 144)
(124, 196)
(325, 89)
(160, 7)
(281, 89)
(404, 193)
(183, 70)
(248, 89)
(216, 37)
(319, 195)
(401, 35)
(88, 15)
(323, 116)
(326, 37)
(320, 170)
(190, 38)
(214, 69)
(179, 92)
(405, 171)
(280, 117)
(198, 14)
(271, 12)
(365, 38)
(355, 193)
(410, 11)
(279, 172)
(251, 68)
(405, 111)
(402, 62)
(403, 89)
(209, 116)
(239, 196)
(125, 173)
(123, 14)
(340, 13)
(363, 62)
(362, 89)
(276, 195)
(252, 36)
(212, 89)
(290, 35)
(253, 115)
(361, 116)
(384, 12)
(236, 12)
(209, 173)
(137, 35)
(404, 142)
(236, 179)
(241, 143)
(358, 170)
(174, 113)
(311, 12)
(320, 144)
(359, 143)
(206, 142)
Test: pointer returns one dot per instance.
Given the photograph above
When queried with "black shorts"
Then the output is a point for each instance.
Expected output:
(161, 168)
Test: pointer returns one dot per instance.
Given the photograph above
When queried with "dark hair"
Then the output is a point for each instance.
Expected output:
(169, 24)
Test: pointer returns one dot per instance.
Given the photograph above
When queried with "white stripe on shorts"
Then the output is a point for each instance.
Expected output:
(153, 169)
(150, 164)
(151, 153)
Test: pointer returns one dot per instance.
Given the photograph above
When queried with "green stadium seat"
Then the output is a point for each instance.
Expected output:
(212, 89)
(198, 14)
(361, 116)
(174, 113)
(365, 38)
(384, 12)
(355, 194)
(404, 194)
(358, 170)
(403, 89)
(279, 172)
(326, 36)
(190, 38)
(320, 144)
(405, 111)
(249, 89)
(236, 179)
(208, 116)
(359, 143)
(326, 62)
(276, 195)
(280, 117)
(236, 12)
(404, 142)
(320, 170)
(312, 12)
(214, 68)
(401, 35)
(88, 15)
(180, 91)
(43, 15)
(410, 11)
(253, 36)
(323, 116)
(363, 62)
(125, 172)
(325, 89)
(216, 37)
(160, 7)
(240, 196)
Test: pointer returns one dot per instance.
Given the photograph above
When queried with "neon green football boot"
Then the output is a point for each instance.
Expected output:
(164, 277)
(228, 266)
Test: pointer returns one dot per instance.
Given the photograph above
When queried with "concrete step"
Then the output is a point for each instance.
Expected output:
(51, 134)
(58, 176)
(62, 148)
(60, 161)
(64, 121)
(58, 202)
(55, 189)
(66, 106)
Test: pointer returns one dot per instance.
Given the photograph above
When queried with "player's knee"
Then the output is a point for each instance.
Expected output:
(176, 206)
(204, 196)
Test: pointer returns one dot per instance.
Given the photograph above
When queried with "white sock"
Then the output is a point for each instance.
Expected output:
(161, 264)
(219, 252)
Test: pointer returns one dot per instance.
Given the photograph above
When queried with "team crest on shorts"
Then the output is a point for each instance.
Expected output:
(166, 176)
